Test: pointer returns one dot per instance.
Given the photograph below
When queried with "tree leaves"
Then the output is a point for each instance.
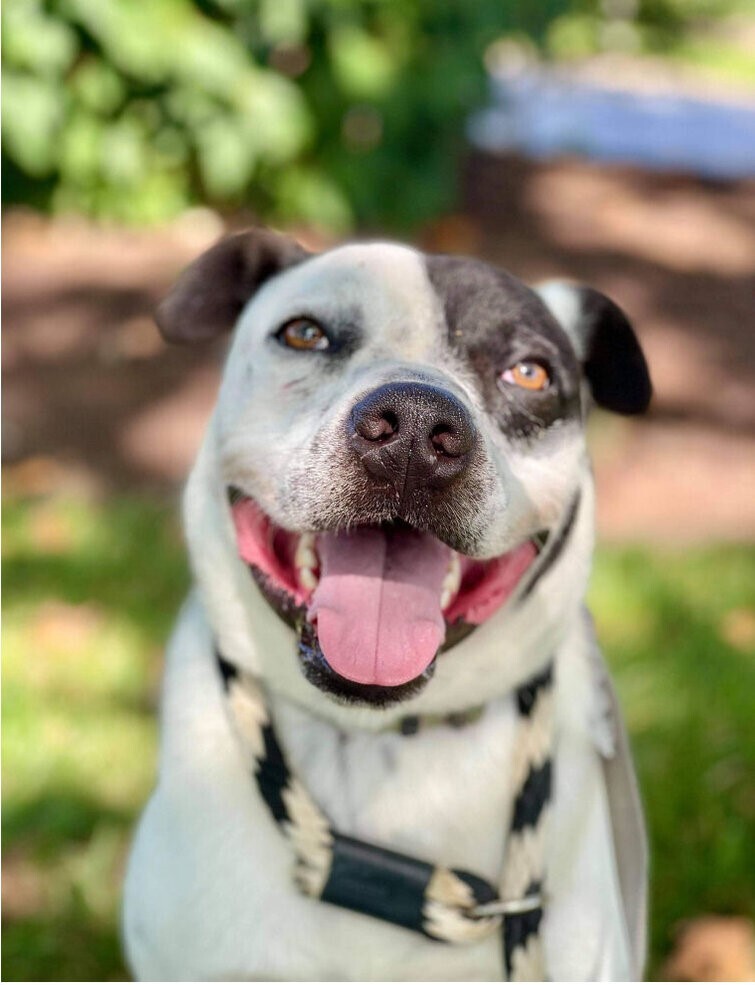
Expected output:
(330, 111)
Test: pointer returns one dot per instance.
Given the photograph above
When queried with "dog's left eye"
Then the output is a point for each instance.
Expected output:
(528, 374)
(303, 333)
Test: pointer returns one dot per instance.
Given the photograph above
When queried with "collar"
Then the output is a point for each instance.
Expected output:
(442, 903)
(413, 724)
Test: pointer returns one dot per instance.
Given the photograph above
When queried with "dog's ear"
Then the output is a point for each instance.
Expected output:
(611, 357)
(211, 293)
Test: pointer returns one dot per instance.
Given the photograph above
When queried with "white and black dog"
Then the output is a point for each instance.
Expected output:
(390, 524)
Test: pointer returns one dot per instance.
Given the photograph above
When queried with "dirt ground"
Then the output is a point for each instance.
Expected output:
(93, 400)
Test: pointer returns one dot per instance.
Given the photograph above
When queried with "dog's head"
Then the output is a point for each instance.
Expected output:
(398, 445)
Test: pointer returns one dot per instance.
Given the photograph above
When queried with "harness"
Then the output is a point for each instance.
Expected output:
(444, 904)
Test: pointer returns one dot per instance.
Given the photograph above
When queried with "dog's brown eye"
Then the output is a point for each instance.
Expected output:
(303, 333)
(527, 374)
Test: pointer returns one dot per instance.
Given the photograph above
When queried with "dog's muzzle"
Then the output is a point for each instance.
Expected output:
(377, 593)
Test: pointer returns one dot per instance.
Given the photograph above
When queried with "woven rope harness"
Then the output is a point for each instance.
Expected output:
(444, 904)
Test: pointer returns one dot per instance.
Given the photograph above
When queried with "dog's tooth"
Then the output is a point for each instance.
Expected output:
(454, 565)
(306, 555)
(308, 579)
(306, 558)
(452, 580)
(447, 592)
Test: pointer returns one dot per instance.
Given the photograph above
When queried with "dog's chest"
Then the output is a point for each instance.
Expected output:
(442, 794)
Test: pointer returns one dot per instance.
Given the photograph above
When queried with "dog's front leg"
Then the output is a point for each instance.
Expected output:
(591, 928)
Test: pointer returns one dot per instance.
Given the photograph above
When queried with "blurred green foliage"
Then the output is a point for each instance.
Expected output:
(325, 111)
(332, 112)
(91, 590)
(637, 26)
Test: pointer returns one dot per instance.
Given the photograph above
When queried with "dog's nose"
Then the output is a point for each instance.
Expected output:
(412, 435)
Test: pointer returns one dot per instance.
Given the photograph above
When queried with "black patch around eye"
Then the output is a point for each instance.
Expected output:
(524, 413)
(528, 421)
(494, 321)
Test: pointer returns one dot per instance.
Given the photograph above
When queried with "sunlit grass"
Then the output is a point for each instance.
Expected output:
(679, 629)
(89, 595)
(90, 592)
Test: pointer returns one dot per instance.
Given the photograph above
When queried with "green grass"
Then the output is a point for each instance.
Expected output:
(680, 639)
(90, 594)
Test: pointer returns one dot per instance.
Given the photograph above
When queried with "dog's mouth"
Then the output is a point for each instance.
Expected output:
(373, 605)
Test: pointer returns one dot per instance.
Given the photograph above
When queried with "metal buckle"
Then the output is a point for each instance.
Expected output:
(508, 907)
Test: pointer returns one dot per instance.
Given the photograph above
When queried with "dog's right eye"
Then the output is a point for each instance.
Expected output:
(303, 333)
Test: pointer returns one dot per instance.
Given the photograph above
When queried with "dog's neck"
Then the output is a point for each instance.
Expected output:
(493, 660)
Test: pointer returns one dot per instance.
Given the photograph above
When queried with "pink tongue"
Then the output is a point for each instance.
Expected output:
(377, 603)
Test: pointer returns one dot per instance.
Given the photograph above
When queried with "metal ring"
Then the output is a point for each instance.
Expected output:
(504, 907)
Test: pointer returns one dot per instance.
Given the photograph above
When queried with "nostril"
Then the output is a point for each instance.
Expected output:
(378, 427)
(446, 442)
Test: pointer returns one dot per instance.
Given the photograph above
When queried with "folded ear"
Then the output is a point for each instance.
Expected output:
(211, 293)
(611, 357)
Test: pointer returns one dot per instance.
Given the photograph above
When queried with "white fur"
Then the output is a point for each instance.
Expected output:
(209, 893)
(563, 301)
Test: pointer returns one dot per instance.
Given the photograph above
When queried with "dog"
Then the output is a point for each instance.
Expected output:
(390, 527)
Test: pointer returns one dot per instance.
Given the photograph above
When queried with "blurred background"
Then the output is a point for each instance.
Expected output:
(611, 141)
